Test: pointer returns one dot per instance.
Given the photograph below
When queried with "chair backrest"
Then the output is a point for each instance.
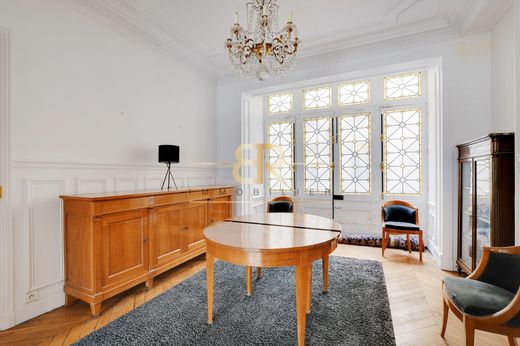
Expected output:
(399, 211)
(282, 204)
(502, 268)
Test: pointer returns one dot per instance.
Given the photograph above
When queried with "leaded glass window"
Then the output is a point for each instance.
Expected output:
(280, 166)
(354, 93)
(402, 143)
(281, 103)
(354, 146)
(402, 86)
(317, 98)
(317, 135)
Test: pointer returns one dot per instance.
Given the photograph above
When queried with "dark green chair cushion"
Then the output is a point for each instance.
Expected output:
(399, 213)
(475, 297)
(402, 226)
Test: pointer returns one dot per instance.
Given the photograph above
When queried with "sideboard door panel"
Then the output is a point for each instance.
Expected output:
(196, 220)
(219, 209)
(125, 244)
(167, 224)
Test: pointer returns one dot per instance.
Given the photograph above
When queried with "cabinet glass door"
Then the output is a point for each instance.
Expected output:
(466, 241)
(483, 205)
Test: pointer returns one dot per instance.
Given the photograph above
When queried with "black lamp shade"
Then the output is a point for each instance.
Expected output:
(169, 153)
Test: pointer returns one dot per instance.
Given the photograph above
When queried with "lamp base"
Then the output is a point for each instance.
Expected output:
(169, 176)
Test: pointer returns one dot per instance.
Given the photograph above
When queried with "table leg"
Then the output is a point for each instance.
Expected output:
(302, 282)
(209, 280)
(325, 265)
(309, 288)
(249, 280)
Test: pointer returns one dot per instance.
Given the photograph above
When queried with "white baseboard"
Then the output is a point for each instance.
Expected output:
(41, 306)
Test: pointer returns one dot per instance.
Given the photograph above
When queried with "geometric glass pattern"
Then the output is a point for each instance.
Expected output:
(281, 103)
(354, 93)
(280, 165)
(354, 153)
(317, 140)
(402, 155)
(402, 86)
(317, 98)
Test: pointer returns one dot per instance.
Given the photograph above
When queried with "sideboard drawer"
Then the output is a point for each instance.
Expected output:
(172, 199)
(119, 205)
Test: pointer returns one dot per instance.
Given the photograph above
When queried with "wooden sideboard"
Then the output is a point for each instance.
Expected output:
(114, 241)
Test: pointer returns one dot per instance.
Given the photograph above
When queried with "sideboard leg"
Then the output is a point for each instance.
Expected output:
(148, 284)
(69, 300)
(95, 308)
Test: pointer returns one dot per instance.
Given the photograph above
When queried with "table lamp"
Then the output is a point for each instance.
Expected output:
(168, 154)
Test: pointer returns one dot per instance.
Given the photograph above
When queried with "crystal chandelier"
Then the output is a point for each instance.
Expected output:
(263, 50)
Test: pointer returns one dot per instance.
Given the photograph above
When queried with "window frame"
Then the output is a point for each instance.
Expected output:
(280, 94)
(376, 106)
(329, 106)
(267, 179)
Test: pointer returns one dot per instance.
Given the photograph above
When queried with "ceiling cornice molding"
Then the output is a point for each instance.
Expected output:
(474, 13)
(362, 52)
(135, 19)
(130, 21)
(472, 19)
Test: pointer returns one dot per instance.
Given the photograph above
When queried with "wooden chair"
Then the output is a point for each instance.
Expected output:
(488, 299)
(400, 217)
(281, 204)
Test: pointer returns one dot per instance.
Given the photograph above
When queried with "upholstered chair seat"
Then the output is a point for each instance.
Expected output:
(401, 225)
(488, 299)
(475, 297)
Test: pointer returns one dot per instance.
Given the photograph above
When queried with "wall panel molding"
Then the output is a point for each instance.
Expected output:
(109, 166)
(38, 222)
(81, 185)
(7, 315)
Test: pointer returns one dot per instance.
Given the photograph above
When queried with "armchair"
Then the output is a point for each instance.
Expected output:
(400, 217)
(488, 299)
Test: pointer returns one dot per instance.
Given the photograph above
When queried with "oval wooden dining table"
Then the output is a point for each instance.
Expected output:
(263, 245)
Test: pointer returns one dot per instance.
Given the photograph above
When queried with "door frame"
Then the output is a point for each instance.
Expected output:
(442, 237)
(7, 315)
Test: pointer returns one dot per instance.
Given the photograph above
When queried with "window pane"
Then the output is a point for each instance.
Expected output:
(317, 98)
(317, 155)
(281, 153)
(403, 86)
(354, 93)
(281, 103)
(402, 152)
(354, 153)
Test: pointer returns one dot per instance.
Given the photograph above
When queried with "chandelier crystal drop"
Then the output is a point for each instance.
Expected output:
(262, 50)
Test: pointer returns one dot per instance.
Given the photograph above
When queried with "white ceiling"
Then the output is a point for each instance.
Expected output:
(196, 29)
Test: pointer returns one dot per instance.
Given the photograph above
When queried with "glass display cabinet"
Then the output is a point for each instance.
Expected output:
(486, 197)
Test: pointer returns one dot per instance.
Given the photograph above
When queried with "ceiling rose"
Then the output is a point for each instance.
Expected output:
(262, 50)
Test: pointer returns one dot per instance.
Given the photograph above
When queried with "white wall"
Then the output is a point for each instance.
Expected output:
(88, 107)
(504, 74)
(466, 104)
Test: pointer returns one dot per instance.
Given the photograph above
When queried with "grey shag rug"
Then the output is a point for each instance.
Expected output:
(356, 310)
